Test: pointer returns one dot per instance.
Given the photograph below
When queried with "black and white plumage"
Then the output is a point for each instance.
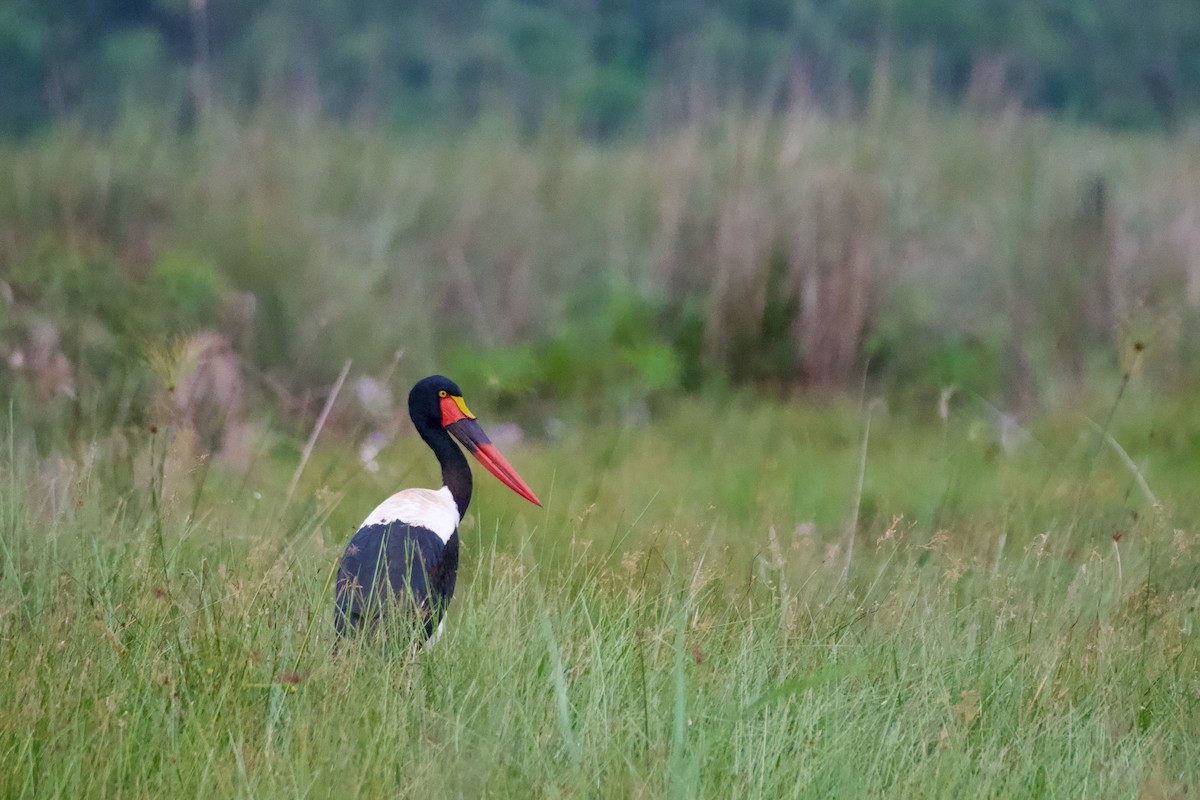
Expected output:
(404, 557)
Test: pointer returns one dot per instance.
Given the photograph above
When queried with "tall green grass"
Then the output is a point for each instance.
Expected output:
(681, 619)
(1005, 254)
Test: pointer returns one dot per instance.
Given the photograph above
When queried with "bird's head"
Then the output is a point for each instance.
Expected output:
(437, 402)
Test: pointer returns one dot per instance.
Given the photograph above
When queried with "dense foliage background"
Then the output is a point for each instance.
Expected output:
(609, 64)
(592, 205)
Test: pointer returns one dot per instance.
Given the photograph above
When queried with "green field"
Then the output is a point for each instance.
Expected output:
(851, 346)
(866, 445)
(683, 618)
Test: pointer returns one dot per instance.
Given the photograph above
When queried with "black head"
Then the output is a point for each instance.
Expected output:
(425, 399)
(437, 407)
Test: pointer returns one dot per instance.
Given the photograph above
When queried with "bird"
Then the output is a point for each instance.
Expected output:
(404, 556)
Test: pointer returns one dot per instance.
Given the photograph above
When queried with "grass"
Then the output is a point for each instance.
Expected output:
(729, 599)
(781, 248)
(677, 621)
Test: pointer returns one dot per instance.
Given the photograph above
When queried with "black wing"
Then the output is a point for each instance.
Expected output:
(395, 562)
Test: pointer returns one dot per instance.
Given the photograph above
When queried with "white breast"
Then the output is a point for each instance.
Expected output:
(434, 509)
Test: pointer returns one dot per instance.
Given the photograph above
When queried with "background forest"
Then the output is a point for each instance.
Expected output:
(609, 65)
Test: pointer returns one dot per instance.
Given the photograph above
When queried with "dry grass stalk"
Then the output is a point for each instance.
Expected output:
(316, 431)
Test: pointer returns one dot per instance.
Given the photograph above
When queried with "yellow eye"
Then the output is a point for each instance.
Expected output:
(442, 393)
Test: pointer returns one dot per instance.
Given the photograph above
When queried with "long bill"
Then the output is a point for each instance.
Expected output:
(471, 436)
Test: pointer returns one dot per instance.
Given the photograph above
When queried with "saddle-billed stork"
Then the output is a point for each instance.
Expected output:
(404, 556)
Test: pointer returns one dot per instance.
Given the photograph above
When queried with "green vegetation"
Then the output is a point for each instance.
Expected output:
(859, 397)
(607, 66)
(683, 617)
(1013, 258)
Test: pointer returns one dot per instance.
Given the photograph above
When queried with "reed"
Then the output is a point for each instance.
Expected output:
(1002, 253)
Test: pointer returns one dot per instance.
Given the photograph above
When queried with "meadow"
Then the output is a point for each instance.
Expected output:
(866, 441)
(752, 598)
(1008, 255)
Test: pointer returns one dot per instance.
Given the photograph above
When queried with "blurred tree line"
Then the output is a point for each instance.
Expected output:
(605, 64)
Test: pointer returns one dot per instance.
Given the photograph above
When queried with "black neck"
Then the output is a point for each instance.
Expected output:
(456, 472)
